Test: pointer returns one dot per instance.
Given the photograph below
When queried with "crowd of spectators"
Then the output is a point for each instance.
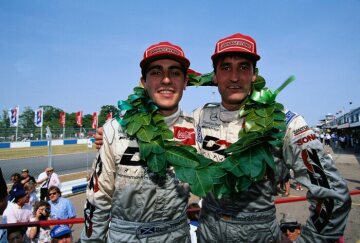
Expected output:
(341, 141)
(20, 204)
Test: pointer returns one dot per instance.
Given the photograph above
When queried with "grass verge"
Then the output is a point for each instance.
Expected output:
(18, 153)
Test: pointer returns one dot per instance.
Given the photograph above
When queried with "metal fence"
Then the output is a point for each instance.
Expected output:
(66, 156)
(26, 134)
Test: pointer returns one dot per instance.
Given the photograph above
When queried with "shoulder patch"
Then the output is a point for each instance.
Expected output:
(289, 116)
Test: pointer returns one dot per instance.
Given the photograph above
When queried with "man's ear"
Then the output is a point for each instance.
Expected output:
(186, 81)
(142, 82)
(215, 80)
(253, 77)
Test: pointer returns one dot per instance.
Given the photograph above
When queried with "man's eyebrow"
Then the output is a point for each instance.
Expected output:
(162, 68)
(227, 62)
(154, 67)
(175, 67)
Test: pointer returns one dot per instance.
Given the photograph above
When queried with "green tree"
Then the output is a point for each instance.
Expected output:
(105, 110)
(51, 119)
(5, 130)
(87, 119)
(26, 123)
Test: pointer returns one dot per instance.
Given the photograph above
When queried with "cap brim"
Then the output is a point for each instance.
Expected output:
(182, 60)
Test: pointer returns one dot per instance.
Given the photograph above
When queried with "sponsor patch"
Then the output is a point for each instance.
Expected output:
(164, 49)
(199, 137)
(185, 135)
(306, 139)
(289, 116)
(211, 125)
(301, 130)
(214, 116)
(240, 43)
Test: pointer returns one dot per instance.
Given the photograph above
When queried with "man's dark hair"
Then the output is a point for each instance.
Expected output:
(231, 55)
(16, 176)
(39, 204)
(54, 188)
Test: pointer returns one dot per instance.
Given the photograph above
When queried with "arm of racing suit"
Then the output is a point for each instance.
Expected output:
(100, 189)
(314, 168)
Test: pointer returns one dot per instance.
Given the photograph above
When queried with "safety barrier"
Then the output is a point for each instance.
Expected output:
(73, 187)
(39, 143)
(82, 220)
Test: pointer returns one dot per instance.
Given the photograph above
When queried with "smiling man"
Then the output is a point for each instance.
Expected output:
(143, 206)
(250, 215)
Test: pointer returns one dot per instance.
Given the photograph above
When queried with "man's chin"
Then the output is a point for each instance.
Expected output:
(236, 99)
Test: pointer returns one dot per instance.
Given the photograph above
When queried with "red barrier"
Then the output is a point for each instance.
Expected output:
(81, 220)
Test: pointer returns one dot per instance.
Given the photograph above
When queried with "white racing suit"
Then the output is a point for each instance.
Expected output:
(251, 217)
(128, 203)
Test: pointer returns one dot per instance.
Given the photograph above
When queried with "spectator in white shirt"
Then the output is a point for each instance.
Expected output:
(49, 180)
(18, 211)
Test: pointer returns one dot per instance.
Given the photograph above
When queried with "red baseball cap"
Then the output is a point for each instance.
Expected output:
(236, 43)
(164, 50)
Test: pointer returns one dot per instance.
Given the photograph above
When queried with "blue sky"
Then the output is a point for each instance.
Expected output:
(80, 55)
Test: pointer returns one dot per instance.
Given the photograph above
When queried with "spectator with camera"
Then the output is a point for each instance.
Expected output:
(40, 234)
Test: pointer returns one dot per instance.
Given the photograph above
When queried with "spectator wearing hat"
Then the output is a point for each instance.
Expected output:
(26, 177)
(290, 228)
(18, 211)
(61, 234)
(61, 208)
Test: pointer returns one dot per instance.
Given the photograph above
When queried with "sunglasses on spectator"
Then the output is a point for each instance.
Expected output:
(52, 193)
(284, 229)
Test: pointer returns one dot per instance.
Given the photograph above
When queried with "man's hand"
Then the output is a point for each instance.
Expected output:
(99, 137)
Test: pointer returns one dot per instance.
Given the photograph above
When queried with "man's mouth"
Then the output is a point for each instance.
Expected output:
(166, 91)
(234, 87)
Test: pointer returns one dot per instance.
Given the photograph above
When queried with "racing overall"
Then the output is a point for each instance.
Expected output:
(251, 217)
(128, 203)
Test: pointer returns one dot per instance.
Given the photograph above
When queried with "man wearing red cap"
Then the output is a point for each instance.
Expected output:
(250, 216)
(126, 202)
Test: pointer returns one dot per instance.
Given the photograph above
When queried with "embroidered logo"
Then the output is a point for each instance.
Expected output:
(185, 135)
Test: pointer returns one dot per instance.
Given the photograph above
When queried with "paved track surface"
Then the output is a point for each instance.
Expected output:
(63, 164)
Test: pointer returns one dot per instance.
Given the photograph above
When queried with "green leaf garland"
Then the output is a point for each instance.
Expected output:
(246, 160)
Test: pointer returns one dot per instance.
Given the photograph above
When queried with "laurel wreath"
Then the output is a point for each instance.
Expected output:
(246, 161)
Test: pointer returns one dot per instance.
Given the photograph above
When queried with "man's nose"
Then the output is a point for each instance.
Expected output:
(166, 79)
(234, 75)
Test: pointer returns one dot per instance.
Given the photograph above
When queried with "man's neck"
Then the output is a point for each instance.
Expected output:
(20, 204)
(56, 201)
(172, 118)
(168, 112)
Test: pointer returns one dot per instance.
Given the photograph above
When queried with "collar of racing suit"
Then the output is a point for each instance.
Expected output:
(226, 115)
(170, 120)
